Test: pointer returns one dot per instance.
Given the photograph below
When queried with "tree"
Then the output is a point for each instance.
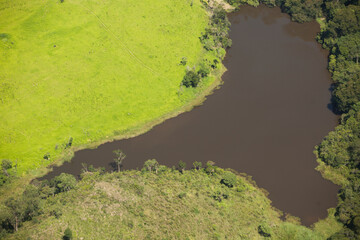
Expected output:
(67, 234)
(333, 150)
(197, 165)
(4, 172)
(16, 208)
(356, 224)
(210, 168)
(151, 165)
(229, 179)
(191, 79)
(31, 199)
(119, 159)
(346, 95)
(343, 21)
(64, 182)
(204, 68)
(349, 46)
(182, 166)
(264, 230)
(302, 10)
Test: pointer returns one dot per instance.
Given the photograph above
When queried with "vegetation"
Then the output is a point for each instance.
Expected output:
(67, 234)
(340, 150)
(120, 157)
(45, 114)
(7, 171)
(162, 204)
(75, 73)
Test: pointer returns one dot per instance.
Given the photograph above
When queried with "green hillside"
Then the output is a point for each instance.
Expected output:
(79, 72)
(164, 203)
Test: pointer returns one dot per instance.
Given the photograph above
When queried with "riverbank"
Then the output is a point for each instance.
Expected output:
(56, 127)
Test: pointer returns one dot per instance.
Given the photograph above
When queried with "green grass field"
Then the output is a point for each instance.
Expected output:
(167, 205)
(91, 70)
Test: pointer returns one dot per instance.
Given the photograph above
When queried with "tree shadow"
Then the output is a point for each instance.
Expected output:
(332, 104)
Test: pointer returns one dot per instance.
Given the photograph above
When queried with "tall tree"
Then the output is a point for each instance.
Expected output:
(119, 159)
(17, 211)
(182, 166)
(197, 165)
(349, 46)
(64, 182)
(151, 165)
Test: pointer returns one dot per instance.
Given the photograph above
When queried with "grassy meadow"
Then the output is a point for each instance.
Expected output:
(91, 70)
(194, 204)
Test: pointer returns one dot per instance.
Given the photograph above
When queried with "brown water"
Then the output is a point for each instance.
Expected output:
(265, 120)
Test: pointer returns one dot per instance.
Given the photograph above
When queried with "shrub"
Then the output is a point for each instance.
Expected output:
(64, 182)
(182, 166)
(204, 68)
(182, 195)
(229, 179)
(191, 79)
(264, 230)
(197, 165)
(67, 234)
(183, 61)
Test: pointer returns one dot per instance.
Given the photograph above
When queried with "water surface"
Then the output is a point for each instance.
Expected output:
(265, 120)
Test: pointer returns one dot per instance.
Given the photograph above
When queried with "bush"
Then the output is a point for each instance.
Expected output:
(183, 61)
(204, 68)
(182, 195)
(219, 195)
(229, 179)
(210, 168)
(264, 230)
(67, 234)
(64, 182)
(197, 165)
(191, 79)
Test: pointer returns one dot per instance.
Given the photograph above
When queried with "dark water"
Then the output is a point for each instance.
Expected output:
(265, 120)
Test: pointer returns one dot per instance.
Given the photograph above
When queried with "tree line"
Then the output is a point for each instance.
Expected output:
(216, 40)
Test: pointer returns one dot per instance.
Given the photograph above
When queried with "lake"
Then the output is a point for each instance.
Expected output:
(265, 120)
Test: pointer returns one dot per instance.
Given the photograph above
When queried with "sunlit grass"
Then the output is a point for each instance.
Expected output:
(90, 70)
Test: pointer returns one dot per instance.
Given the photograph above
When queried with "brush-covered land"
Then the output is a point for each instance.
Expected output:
(74, 73)
(155, 203)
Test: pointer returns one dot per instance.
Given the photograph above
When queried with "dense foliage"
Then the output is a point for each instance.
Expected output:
(341, 148)
(17, 210)
(215, 40)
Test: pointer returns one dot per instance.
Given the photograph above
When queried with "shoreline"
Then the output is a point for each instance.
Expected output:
(138, 130)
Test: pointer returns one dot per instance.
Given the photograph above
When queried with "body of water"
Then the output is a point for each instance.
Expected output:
(265, 120)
